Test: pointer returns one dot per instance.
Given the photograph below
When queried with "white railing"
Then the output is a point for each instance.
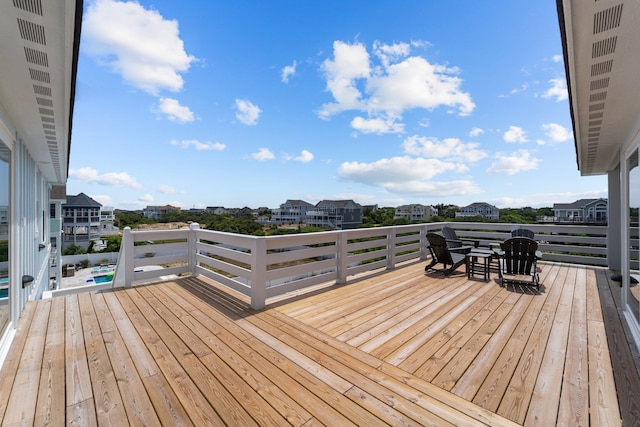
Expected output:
(266, 267)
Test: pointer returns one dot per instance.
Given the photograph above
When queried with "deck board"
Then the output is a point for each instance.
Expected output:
(399, 348)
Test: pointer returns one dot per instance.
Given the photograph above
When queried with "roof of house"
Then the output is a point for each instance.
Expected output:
(294, 202)
(479, 204)
(81, 200)
(337, 203)
(578, 204)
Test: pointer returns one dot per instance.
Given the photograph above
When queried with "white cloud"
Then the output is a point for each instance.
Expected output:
(166, 189)
(558, 90)
(137, 43)
(390, 53)
(247, 112)
(395, 169)
(515, 134)
(288, 71)
(378, 125)
(401, 82)
(200, 146)
(304, 157)
(556, 132)
(557, 58)
(511, 164)
(146, 198)
(406, 175)
(263, 154)
(451, 149)
(435, 189)
(476, 132)
(425, 123)
(113, 179)
(103, 199)
(174, 111)
(351, 62)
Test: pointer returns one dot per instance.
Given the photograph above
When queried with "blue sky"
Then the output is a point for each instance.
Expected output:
(250, 103)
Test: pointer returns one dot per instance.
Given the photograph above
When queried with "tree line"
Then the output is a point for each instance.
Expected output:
(248, 225)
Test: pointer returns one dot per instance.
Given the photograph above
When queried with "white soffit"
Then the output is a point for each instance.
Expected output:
(602, 51)
(37, 77)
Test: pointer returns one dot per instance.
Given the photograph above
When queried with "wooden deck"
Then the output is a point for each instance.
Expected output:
(399, 348)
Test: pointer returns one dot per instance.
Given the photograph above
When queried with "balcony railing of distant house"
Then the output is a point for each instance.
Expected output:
(275, 266)
(601, 220)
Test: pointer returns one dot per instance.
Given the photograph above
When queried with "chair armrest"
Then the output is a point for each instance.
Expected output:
(475, 243)
(461, 249)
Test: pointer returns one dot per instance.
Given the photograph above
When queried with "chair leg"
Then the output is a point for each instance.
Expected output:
(428, 267)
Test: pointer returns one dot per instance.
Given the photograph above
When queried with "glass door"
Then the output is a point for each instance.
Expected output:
(5, 156)
(633, 290)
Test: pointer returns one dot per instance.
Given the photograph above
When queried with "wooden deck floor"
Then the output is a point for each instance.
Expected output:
(400, 348)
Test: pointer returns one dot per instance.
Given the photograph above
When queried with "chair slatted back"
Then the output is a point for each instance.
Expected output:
(523, 232)
(439, 249)
(519, 255)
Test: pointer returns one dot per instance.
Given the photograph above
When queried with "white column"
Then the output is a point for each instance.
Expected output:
(614, 232)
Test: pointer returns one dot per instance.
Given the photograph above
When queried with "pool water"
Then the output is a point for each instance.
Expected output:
(103, 279)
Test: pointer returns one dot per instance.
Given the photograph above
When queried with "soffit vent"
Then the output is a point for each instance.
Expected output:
(600, 84)
(40, 76)
(607, 19)
(33, 6)
(46, 111)
(42, 90)
(596, 116)
(44, 102)
(32, 32)
(596, 107)
(601, 68)
(604, 47)
(48, 119)
(595, 122)
(50, 132)
(36, 57)
(48, 126)
(600, 96)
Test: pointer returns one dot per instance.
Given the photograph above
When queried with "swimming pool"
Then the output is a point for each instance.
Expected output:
(4, 287)
(107, 278)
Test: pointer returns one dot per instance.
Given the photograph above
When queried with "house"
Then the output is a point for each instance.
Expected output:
(415, 212)
(582, 211)
(39, 46)
(245, 212)
(158, 212)
(484, 210)
(335, 215)
(80, 221)
(600, 42)
(291, 212)
(217, 210)
(107, 221)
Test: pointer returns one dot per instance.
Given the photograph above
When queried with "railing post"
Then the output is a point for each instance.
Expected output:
(423, 242)
(341, 262)
(259, 273)
(391, 248)
(128, 258)
(192, 250)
